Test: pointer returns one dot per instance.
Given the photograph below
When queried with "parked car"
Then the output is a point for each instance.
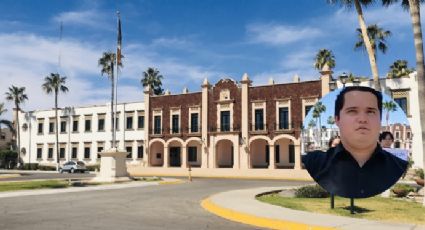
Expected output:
(73, 166)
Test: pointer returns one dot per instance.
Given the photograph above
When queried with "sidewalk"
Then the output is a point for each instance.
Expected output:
(241, 206)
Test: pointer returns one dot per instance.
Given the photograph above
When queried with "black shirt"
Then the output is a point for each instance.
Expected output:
(340, 174)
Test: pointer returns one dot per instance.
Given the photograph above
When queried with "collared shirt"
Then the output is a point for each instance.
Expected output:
(339, 173)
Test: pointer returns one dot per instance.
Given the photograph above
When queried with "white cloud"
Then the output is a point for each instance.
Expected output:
(273, 34)
(90, 18)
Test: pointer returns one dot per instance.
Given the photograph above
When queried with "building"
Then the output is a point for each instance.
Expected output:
(6, 138)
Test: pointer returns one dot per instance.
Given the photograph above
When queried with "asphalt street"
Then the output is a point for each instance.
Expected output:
(173, 206)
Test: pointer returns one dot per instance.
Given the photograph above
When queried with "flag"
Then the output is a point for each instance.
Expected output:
(119, 55)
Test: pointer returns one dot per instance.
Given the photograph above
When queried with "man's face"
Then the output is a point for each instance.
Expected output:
(359, 120)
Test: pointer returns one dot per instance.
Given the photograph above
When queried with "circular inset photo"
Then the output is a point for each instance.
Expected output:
(354, 142)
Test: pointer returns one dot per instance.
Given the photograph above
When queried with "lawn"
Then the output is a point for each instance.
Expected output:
(25, 185)
(374, 208)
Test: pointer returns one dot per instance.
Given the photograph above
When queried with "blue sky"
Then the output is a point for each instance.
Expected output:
(187, 40)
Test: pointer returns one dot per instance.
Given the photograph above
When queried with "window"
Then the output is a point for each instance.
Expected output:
(225, 121)
(307, 109)
(277, 153)
(283, 118)
(259, 122)
(39, 152)
(51, 127)
(87, 152)
(99, 150)
(141, 122)
(40, 127)
(397, 144)
(2, 136)
(402, 102)
(291, 153)
(140, 152)
(117, 122)
(157, 125)
(397, 135)
(74, 152)
(63, 126)
(101, 124)
(87, 125)
(158, 155)
(129, 150)
(62, 152)
(75, 126)
(192, 151)
(268, 154)
(50, 152)
(194, 123)
(175, 123)
(408, 135)
(129, 122)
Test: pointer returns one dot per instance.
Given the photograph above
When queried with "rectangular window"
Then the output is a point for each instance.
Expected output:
(74, 152)
(397, 135)
(141, 122)
(192, 152)
(75, 126)
(157, 125)
(63, 126)
(40, 128)
(225, 121)
(117, 121)
(259, 122)
(277, 153)
(194, 123)
(101, 124)
(87, 125)
(129, 150)
(129, 122)
(62, 153)
(175, 123)
(283, 118)
(50, 153)
(307, 109)
(39, 152)
(140, 152)
(99, 150)
(291, 153)
(87, 152)
(408, 135)
(402, 102)
(51, 127)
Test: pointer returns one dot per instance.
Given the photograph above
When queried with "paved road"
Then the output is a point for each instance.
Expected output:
(155, 207)
(44, 175)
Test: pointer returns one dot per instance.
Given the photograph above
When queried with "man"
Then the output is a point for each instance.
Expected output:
(386, 140)
(357, 167)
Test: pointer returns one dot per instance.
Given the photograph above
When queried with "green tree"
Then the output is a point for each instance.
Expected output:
(55, 84)
(318, 109)
(331, 121)
(4, 121)
(399, 69)
(358, 5)
(324, 57)
(17, 96)
(389, 106)
(107, 63)
(152, 78)
(377, 36)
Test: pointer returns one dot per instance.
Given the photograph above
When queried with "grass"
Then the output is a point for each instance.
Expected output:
(374, 208)
(26, 185)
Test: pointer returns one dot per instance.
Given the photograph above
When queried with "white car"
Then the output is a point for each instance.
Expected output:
(73, 166)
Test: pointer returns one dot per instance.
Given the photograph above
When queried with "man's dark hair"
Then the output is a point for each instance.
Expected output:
(339, 102)
(384, 134)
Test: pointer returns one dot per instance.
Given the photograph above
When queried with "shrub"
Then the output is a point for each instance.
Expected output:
(311, 191)
(401, 190)
(419, 173)
(47, 168)
(31, 166)
(93, 167)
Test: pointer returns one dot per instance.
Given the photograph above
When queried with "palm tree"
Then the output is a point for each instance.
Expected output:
(399, 69)
(4, 121)
(18, 96)
(331, 121)
(152, 78)
(318, 109)
(389, 106)
(55, 84)
(324, 57)
(358, 5)
(107, 63)
(377, 36)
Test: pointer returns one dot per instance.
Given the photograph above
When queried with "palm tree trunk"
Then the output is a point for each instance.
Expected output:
(57, 130)
(417, 32)
(18, 136)
(368, 45)
(112, 105)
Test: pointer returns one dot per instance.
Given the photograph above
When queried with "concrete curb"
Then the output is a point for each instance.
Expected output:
(241, 206)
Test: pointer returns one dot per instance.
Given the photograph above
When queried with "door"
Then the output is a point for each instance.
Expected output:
(175, 160)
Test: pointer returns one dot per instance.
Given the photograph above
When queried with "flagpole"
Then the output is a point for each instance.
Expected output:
(118, 61)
